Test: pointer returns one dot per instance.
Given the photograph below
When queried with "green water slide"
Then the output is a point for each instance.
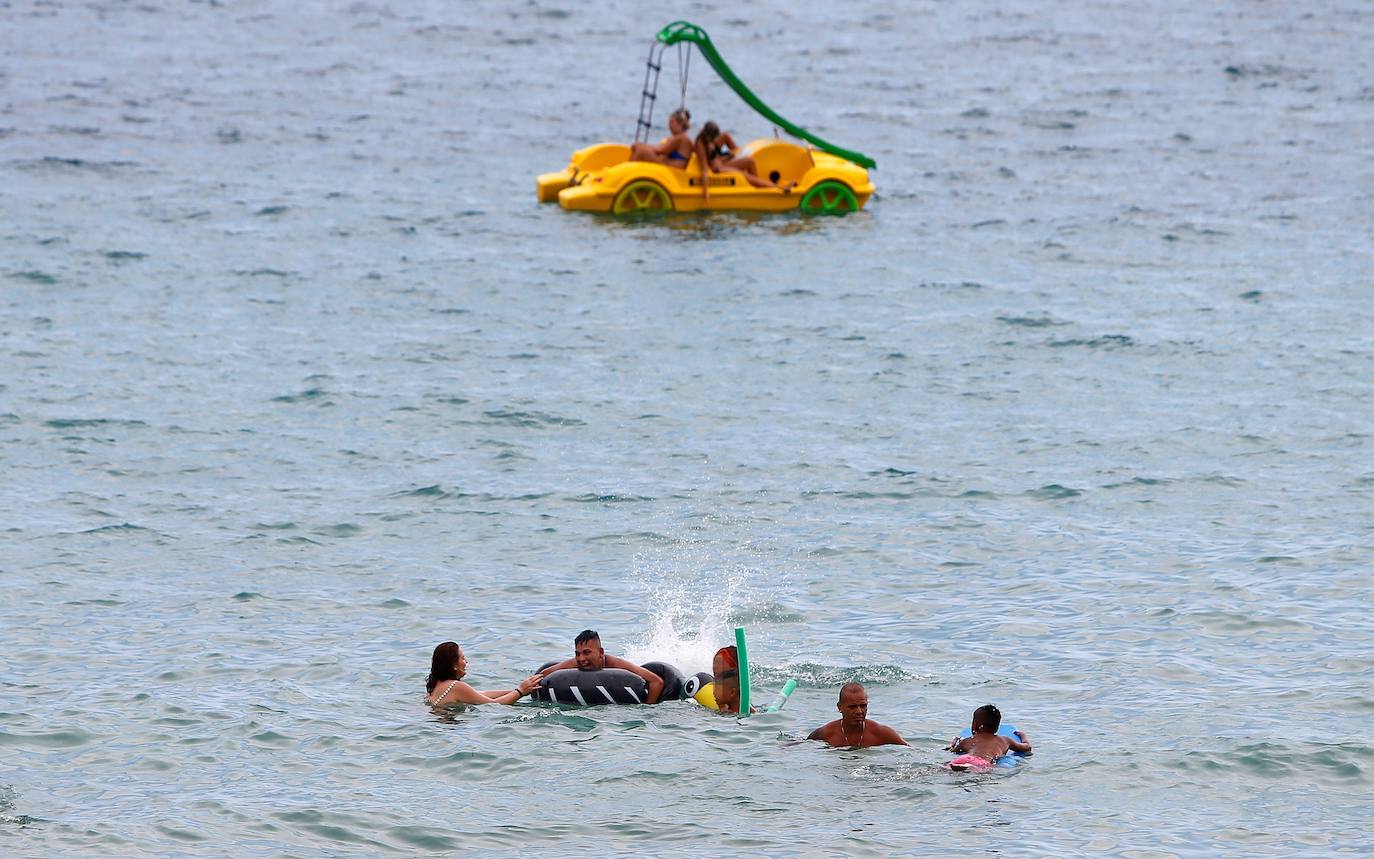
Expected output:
(681, 31)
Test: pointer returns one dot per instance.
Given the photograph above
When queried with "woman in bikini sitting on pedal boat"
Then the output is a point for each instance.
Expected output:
(675, 150)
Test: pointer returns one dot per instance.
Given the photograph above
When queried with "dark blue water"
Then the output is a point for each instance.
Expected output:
(299, 380)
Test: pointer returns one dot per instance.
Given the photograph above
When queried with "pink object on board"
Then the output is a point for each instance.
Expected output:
(967, 763)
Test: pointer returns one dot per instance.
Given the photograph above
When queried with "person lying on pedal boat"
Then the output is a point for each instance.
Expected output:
(716, 149)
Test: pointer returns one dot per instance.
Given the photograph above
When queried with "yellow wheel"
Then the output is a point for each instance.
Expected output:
(642, 196)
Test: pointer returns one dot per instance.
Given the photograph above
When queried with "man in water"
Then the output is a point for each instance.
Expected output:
(588, 655)
(854, 728)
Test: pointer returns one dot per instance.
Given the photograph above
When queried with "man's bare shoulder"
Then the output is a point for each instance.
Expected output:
(824, 732)
(885, 735)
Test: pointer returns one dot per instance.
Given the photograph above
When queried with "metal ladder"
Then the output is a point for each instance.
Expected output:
(649, 94)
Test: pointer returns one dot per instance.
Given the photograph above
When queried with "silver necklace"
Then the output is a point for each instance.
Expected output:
(863, 726)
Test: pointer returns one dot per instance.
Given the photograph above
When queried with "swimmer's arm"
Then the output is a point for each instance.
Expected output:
(566, 663)
(1024, 746)
(652, 680)
(956, 745)
(822, 733)
(465, 694)
(889, 737)
(526, 686)
(462, 693)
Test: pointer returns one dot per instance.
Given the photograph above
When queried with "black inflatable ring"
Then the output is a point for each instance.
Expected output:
(579, 688)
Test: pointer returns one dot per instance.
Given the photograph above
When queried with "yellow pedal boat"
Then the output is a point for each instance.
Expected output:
(601, 178)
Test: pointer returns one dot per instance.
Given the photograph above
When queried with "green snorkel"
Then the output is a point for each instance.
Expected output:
(743, 653)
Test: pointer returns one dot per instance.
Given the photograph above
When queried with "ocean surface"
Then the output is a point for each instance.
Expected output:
(298, 380)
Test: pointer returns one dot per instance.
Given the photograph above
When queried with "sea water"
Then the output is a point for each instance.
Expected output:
(299, 381)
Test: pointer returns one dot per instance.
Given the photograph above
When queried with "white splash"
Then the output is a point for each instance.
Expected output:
(695, 597)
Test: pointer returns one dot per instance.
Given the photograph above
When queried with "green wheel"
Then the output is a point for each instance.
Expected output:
(642, 196)
(829, 198)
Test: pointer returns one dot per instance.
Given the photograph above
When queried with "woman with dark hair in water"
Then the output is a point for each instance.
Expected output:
(446, 670)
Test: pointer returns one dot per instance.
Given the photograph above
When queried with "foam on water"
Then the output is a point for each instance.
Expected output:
(699, 589)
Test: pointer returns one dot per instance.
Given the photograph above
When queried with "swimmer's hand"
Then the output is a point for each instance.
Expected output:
(1024, 746)
(529, 684)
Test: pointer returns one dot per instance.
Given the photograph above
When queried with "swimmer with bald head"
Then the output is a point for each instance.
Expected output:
(854, 728)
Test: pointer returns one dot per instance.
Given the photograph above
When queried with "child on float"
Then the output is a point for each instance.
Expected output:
(979, 751)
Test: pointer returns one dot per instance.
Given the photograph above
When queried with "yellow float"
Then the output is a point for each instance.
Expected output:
(601, 178)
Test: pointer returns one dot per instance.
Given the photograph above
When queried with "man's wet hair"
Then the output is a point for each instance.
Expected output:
(848, 687)
(988, 717)
(585, 636)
